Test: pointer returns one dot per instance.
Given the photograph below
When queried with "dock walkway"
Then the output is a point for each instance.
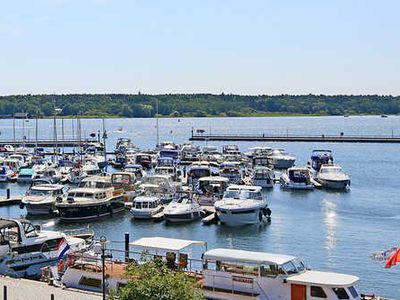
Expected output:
(23, 289)
(295, 138)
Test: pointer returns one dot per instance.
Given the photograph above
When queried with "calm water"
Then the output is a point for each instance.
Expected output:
(331, 231)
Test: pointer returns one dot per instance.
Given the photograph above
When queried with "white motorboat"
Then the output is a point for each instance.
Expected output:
(6, 174)
(210, 189)
(26, 248)
(145, 207)
(184, 209)
(229, 273)
(280, 160)
(297, 179)
(161, 186)
(319, 158)
(232, 171)
(333, 177)
(262, 176)
(242, 205)
(41, 199)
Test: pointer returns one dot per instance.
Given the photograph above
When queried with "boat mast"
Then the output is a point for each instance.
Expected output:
(104, 142)
(158, 132)
(36, 130)
(14, 131)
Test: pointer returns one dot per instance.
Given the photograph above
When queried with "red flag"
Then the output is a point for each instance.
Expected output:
(393, 259)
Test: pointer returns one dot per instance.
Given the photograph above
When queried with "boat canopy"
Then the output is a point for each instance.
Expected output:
(259, 258)
(323, 278)
(167, 244)
(214, 179)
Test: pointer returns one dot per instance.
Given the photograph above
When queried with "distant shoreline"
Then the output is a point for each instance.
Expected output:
(196, 105)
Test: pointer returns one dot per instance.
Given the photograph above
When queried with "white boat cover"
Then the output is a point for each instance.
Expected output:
(234, 255)
(323, 278)
(167, 244)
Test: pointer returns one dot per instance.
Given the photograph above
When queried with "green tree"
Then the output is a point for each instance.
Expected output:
(152, 280)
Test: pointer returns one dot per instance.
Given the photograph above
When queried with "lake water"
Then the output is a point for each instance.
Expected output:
(332, 231)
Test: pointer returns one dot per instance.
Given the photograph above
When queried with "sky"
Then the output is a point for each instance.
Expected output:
(200, 46)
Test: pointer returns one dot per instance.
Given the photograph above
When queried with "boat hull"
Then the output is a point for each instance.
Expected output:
(40, 209)
(182, 217)
(241, 217)
(144, 214)
(335, 184)
(75, 213)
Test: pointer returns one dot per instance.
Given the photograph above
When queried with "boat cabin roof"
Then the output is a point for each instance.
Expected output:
(250, 188)
(97, 178)
(89, 190)
(214, 178)
(235, 255)
(167, 244)
(47, 187)
(323, 278)
(146, 199)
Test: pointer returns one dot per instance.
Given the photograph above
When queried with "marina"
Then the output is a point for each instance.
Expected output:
(337, 213)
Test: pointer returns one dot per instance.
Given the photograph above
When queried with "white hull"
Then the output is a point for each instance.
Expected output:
(334, 184)
(183, 217)
(144, 214)
(236, 218)
(39, 209)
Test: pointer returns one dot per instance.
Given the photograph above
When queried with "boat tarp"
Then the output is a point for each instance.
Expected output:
(167, 244)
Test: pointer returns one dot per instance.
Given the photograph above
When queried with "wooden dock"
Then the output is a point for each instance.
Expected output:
(295, 138)
(13, 200)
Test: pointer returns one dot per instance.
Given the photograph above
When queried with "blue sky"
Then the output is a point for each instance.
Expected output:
(186, 46)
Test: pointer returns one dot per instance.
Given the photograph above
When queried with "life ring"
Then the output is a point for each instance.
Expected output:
(267, 211)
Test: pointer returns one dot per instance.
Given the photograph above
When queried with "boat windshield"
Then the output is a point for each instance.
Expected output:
(293, 267)
(95, 184)
(243, 195)
(197, 173)
(34, 192)
(331, 170)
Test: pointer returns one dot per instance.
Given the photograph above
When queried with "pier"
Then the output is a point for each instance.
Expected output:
(295, 138)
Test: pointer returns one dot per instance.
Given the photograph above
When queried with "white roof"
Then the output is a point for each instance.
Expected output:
(145, 199)
(214, 178)
(324, 278)
(163, 243)
(235, 255)
(47, 187)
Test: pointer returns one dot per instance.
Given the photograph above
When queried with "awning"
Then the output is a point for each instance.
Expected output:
(168, 244)
(323, 278)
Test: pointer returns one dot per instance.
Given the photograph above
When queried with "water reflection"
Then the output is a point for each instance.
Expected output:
(331, 224)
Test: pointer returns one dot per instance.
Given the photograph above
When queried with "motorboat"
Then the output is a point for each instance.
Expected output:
(95, 197)
(6, 174)
(333, 177)
(242, 205)
(210, 153)
(258, 151)
(135, 169)
(161, 186)
(229, 273)
(50, 172)
(25, 175)
(260, 161)
(262, 176)
(183, 209)
(210, 189)
(41, 199)
(145, 207)
(13, 164)
(144, 159)
(65, 167)
(189, 153)
(173, 154)
(319, 158)
(280, 160)
(232, 171)
(126, 182)
(231, 149)
(197, 171)
(86, 273)
(297, 178)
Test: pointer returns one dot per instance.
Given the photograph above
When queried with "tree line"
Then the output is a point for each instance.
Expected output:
(197, 105)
